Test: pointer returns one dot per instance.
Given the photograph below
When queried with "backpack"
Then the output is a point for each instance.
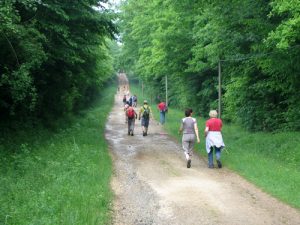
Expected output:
(146, 112)
(130, 100)
(130, 113)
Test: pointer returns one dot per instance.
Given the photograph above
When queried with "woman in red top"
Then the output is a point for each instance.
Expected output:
(214, 139)
(162, 107)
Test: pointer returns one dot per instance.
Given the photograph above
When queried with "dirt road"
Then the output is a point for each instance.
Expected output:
(153, 186)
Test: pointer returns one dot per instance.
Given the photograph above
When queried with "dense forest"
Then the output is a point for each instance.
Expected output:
(54, 56)
(257, 44)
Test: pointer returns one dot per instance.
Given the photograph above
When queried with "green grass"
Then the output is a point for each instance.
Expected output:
(270, 161)
(60, 177)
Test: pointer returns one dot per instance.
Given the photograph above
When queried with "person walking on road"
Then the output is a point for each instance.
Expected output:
(131, 116)
(162, 107)
(189, 129)
(144, 114)
(125, 110)
(214, 139)
(131, 100)
(134, 100)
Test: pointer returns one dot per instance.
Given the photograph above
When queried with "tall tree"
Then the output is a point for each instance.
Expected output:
(21, 53)
(256, 43)
(55, 56)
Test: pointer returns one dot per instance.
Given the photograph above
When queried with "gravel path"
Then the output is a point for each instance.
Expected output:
(153, 186)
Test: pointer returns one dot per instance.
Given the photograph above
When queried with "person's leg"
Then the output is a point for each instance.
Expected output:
(162, 117)
(132, 126)
(129, 126)
(146, 131)
(190, 148)
(143, 126)
(210, 158)
(146, 126)
(191, 144)
(218, 156)
(185, 146)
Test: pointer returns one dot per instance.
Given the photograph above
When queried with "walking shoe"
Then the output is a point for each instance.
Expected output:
(132, 133)
(188, 165)
(219, 163)
(211, 166)
(144, 134)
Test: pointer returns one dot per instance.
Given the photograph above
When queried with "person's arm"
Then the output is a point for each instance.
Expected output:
(206, 128)
(196, 132)
(206, 131)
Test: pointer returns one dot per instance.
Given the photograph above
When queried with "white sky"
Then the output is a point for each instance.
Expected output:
(111, 4)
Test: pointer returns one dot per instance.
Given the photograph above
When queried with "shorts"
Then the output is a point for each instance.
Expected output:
(145, 122)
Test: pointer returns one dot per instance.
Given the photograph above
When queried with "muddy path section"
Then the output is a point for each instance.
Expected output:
(153, 186)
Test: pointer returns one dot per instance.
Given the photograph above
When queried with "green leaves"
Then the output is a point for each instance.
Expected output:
(54, 55)
(287, 33)
(256, 41)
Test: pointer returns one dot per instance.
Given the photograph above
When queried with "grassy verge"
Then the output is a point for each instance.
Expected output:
(58, 177)
(271, 161)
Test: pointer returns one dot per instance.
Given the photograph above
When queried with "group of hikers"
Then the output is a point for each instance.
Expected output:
(188, 128)
(213, 137)
(144, 114)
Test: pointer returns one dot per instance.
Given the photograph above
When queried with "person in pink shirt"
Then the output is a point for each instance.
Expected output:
(214, 139)
(162, 107)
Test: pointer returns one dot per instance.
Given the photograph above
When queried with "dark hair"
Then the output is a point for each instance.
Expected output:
(188, 112)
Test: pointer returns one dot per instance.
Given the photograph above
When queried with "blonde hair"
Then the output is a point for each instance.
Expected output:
(213, 113)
